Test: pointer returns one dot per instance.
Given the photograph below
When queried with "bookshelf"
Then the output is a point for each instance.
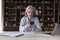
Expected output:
(46, 11)
(59, 12)
(10, 15)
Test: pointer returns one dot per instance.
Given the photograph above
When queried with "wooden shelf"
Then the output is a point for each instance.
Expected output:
(10, 26)
(11, 8)
(48, 9)
(10, 2)
(49, 15)
(12, 20)
(11, 14)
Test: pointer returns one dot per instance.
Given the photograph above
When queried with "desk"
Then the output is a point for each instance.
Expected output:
(36, 36)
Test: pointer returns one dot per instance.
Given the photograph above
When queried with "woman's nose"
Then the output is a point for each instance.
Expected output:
(30, 13)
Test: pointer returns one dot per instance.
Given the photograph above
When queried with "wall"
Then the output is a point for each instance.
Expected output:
(1, 18)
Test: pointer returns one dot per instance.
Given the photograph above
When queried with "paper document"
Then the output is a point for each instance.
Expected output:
(12, 34)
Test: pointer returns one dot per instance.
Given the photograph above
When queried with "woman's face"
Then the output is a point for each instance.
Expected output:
(30, 13)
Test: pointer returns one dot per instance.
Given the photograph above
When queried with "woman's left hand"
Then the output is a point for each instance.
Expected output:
(33, 26)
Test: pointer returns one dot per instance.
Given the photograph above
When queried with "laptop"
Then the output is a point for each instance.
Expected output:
(56, 30)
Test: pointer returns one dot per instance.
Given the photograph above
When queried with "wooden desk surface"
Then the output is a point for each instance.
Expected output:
(36, 36)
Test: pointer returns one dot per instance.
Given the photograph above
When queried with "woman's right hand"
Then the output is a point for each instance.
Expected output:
(27, 26)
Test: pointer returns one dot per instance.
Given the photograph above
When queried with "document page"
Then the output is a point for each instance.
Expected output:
(12, 34)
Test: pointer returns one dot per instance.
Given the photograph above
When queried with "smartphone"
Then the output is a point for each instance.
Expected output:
(31, 22)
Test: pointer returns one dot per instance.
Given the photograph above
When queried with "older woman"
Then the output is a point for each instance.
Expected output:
(30, 23)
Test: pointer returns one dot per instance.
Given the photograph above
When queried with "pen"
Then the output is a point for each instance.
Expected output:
(20, 35)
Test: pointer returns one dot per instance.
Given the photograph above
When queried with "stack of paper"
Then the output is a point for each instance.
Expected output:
(12, 34)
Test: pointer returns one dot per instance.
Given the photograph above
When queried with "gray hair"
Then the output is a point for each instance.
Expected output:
(29, 7)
